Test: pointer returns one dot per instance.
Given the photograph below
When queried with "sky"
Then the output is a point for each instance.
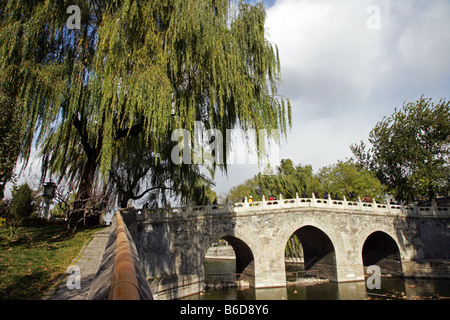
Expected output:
(345, 64)
(348, 63)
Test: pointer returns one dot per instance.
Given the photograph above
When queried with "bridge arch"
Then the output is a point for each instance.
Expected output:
(319, 252)
(245, 260)
(381, 249)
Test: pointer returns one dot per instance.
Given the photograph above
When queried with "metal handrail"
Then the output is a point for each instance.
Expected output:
(124, 284)
(304, 274)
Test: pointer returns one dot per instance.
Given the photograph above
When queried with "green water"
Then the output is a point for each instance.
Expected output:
(394, 287)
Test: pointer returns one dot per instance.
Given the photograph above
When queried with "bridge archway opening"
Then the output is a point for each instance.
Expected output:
(224, 268)
(315, 250)
(380, 249)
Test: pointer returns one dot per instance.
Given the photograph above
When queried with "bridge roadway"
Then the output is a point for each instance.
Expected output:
(339, 238)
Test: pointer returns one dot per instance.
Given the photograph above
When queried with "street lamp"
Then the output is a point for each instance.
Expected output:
(49, 189)
(49, 194)
(2, 190)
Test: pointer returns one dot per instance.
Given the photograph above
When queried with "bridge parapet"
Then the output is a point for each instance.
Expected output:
(344, 204)
(283, 204)
(170, 212)
(120, 275)
(321, 203)
(336, 235)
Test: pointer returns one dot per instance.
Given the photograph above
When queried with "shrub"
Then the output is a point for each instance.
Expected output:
(22, 203)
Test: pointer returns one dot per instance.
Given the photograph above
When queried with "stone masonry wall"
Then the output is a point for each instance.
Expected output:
(173, 246)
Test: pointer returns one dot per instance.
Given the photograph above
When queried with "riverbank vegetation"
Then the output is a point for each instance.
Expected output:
(342, 179)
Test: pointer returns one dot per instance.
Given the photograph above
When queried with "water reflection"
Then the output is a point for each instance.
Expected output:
(391, 287)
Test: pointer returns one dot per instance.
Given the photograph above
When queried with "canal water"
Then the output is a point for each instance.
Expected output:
(391, 288)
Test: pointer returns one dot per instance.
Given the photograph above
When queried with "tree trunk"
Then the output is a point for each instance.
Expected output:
(84, 192)
(124, 202)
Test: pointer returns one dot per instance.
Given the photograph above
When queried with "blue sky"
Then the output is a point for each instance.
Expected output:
(268, 3)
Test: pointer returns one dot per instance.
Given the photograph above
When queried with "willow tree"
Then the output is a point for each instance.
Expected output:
(9, 136)
(134, 68)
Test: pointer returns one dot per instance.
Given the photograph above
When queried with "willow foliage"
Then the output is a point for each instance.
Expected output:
(9, 137)
(135, 68)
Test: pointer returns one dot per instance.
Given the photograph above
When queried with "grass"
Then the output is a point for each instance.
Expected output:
(33, 258)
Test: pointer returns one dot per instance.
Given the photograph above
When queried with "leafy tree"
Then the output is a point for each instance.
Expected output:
(22, 203)
(295, 179)
(248, 188)
(410, 150)
(347, 179)
(294, 247)
(201, 193)
(9, 136)
(362, 157)
(134, 68)
(341, 179)
(288, 181)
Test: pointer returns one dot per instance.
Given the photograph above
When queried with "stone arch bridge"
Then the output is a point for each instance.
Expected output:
(339, 238)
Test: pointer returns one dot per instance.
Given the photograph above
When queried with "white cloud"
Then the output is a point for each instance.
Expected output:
(31, 174)
(343, 77)
(424, 43)
(323, 48)
(332, 59)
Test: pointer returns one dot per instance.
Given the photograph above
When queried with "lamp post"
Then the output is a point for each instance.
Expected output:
(49, 194)
(2, 189)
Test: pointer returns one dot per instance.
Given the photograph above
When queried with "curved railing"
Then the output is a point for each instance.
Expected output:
(124, 284)
(297, 202)
(343, 204)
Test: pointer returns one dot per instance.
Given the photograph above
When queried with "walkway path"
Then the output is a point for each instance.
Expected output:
(88, 260)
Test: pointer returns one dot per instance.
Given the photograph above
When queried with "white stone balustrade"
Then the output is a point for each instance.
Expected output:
(186, 211)
(297, 202)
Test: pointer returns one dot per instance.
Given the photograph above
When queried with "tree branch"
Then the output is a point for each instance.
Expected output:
(97, 11)
(150, 189)
(78, 124)
(153, 188)
(129, 132)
